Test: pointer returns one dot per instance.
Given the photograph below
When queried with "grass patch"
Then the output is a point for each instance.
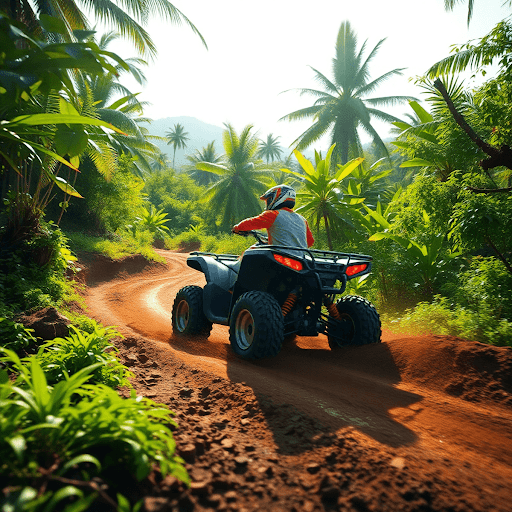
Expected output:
(115, 246)
(443, 318)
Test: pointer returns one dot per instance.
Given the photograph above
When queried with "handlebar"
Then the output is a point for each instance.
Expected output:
(260, 237)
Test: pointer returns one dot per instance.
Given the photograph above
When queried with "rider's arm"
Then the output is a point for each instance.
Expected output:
(264, 220)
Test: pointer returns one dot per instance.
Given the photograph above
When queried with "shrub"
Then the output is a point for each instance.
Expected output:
(487, 286)
(115, 246)
(63, 357)
(14, 335)
(441, 317)
(32, 274)
(224, 243)
(78, 430)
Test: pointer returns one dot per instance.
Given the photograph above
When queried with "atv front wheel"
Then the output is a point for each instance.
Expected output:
(187, 313)
(359, 323)
(256, 327)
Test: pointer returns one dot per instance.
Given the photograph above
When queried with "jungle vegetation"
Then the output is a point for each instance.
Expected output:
(79, 171)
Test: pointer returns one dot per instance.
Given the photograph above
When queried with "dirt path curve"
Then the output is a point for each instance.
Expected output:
(436, 409)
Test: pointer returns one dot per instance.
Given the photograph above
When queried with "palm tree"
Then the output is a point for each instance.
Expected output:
(270, 149)
(321, 200)
(207, 154)
(243, 178)
(124, 17)
(492, 47)
(98, 96)
(342, 107)
(160, 162)
(178, 138)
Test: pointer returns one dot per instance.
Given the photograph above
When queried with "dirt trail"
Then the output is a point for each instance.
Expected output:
(413, 423)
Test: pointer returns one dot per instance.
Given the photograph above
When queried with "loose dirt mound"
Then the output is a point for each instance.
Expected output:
(96, 268)
(466, 369)
(411, 424)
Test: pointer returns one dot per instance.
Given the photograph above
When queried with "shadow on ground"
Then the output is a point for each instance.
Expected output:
(307, 394)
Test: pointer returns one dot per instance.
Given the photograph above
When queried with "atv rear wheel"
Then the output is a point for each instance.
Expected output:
(187, 313)
(256, 327)
(359, 323)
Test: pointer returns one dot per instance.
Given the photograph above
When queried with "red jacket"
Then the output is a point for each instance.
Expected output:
(284, 227)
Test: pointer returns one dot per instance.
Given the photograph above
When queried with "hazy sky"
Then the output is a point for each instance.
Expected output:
(257, 50)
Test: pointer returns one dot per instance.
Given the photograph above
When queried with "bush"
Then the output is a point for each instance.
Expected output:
(15, 336)
(63, 357)
(32, 274)
(79, 431)
(441, 317)
(486, 286)
(224, 243)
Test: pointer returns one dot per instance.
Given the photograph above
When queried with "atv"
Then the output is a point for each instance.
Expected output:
(274, 293)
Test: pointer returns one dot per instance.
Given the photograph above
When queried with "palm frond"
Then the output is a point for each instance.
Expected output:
(364, 72)
(374, 84)
(457, 63)
(389, 100)
(302, 113)
(345, 61)
(108, 12)
(323, 80)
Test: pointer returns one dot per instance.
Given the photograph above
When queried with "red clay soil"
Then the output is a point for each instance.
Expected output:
(410, 424)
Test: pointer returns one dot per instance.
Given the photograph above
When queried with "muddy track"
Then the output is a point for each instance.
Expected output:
(413, 423)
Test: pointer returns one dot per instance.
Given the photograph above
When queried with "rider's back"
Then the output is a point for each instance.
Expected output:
(288, 228)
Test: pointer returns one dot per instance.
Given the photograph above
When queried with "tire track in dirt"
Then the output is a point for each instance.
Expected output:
(373, 389)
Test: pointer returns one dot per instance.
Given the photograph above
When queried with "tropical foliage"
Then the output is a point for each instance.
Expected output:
(207, 154)
(435, 216)
(269, 149)
(321, 199)
(126, 18)
(242, 178)
(177, 138)
(343, 108)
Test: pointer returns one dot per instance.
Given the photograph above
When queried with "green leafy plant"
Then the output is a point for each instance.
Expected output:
(48, 432)
(321, 198)
(14, 335)
(62, 357)
(154, 220)
(442, 317)
(425, 256)
(486, 285)
(33, 275)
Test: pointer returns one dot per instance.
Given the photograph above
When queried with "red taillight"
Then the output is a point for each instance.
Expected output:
(288, 262)
(355, 269)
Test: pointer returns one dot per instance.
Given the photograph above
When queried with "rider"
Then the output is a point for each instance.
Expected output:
(284, 226)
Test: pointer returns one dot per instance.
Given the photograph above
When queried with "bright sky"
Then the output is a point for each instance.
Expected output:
(257, 50)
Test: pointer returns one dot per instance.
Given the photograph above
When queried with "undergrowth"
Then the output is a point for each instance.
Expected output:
(56, 441)
(444, 318)
(115, 246)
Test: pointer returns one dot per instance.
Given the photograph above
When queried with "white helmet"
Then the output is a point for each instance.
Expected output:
(280, 196)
